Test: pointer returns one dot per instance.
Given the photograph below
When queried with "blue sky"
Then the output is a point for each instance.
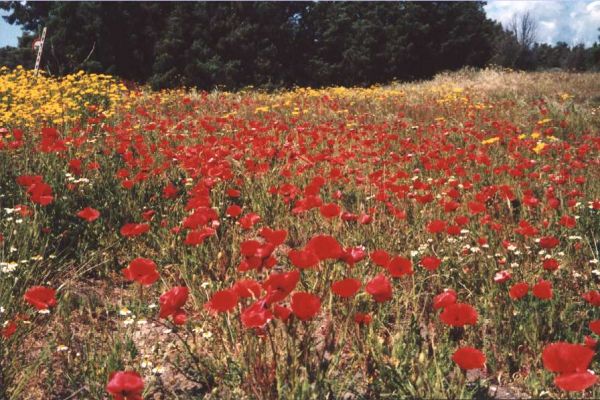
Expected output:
(8, 33)
(571, 21)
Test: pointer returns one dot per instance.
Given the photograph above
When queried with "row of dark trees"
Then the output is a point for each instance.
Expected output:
(274, 44)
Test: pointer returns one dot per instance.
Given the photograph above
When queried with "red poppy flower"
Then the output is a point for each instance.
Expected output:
(450, 206)
(89, 214)
(459, 314)
(233, 211)
(576, 381)
(444, 299)
(303, 258)
(222, 301)
(553, 203)
(425, 198)
(249, 220)
(430, 263)
(364, 219)
(380, 257)
(75, 166)
(549, 242)
(476, 207)
(380, 288)
(518, 290)
(315, 185)
(8, 330)
(399, 266)
(352, 255)
(530, 201)
(461, 220)
(132, 229)
(264, 250)
(436, 226)
(172, 302)
(567, 221)
(595, 326)
(550, 264)
(325, 247)
(125, 385)
(40, 193)
(51, 141)
(305, 305)
(197, 237)
(141, 270)
(330, 210)
(148, 214)
(200, 217)
(279, 286)
(127, 184)
(233, 193)
(275, 237)
(281, 312)
(346, 287)
(256, 316)
(23, 210)
(454, 230)
(362, 318)
(542, 290)
(348, 216)
(469, 358)
(247, 288)
(526, 229)
(592, 297)
(170, 191)
(565, 357)
(590, 342)
(248, 248)
(28, 180)
(41, 297)
(307, 203)
(257, 256)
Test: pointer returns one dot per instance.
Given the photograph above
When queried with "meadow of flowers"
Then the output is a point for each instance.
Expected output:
(433, 240)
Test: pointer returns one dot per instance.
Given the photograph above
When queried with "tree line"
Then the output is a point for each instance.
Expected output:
(275, 44)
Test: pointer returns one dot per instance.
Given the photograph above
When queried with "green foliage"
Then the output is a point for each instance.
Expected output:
(14, 56)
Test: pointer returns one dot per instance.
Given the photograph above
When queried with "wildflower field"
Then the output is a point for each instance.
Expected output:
(427, 240)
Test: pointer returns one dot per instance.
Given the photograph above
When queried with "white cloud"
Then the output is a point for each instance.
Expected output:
(573, 22)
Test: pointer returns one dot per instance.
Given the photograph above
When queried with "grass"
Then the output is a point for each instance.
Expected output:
(384, 149)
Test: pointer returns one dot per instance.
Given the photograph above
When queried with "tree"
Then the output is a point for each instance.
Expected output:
(524, 28)
(514, 47)
(270, 44)
(229, 44)
(90, 35)
(576, 59)
(14, 56)
(364, 43)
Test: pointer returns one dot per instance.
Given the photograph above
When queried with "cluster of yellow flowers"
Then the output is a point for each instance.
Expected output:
(27, 100)
(357, 93)
(446, 94)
